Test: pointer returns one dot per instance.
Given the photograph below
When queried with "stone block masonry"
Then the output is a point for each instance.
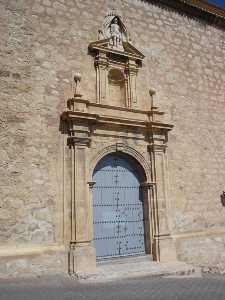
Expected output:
(43, 43)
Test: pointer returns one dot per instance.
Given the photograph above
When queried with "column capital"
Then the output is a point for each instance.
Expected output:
(101, 61)
(82, 141)
(157, 147)
(147, 185)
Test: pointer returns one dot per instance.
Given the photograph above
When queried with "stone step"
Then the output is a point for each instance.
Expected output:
(138, 266)
(124, 260)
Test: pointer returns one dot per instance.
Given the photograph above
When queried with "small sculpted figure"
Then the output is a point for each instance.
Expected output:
(100, 35)
(116, 35)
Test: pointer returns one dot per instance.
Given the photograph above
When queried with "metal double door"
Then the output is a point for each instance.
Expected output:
(117, 208)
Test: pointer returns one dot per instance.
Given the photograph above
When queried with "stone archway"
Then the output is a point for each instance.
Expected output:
(120, 147)
(158, 242)
(118, 207)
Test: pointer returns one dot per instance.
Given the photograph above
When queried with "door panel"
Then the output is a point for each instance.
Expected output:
(117, 208)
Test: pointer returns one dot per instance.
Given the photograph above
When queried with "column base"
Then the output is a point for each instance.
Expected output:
(164, 249)
(82, 258)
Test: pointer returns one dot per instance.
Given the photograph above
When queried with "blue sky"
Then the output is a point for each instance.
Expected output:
(220, 3)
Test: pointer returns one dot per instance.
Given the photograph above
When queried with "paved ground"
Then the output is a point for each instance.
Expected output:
(62, 288)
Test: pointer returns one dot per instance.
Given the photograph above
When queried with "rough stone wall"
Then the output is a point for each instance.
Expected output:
(27, 120)
(43, 42)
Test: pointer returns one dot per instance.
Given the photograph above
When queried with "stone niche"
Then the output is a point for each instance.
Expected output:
(117, 88)
(116, 62)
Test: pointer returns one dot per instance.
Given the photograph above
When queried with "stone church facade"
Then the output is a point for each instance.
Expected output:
(111, 133)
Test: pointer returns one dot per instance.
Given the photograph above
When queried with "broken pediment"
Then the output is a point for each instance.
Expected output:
(113, 37)
(117, 62)
(128, 49)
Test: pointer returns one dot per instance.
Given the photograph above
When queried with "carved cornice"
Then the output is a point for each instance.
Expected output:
(82, 121)
(206, 7)
(199, 9)
(80, 116)
(119, 108)
(90, 118)
(160, 126)
(85, 118)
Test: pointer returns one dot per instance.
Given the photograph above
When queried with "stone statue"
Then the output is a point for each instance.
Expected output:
(116, 35)
(114, 29)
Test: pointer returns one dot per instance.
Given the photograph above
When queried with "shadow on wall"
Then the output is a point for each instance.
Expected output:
(222, 197)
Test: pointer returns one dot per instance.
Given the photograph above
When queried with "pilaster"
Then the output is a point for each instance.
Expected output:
(163, 244)
(131, 71)
(82, 254)
(101, 66)
(149, 218)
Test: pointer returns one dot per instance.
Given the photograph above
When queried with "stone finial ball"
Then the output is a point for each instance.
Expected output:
(77, 77)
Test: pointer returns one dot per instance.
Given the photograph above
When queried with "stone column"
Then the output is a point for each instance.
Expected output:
(82, 256)
(127, 97)
(163, 244)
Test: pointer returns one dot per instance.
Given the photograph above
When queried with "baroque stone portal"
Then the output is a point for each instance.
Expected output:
(112, 125)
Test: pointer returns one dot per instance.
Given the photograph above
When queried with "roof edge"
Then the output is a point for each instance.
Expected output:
(199, 9)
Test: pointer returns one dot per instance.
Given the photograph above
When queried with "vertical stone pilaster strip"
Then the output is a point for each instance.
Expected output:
(147, 189)
(101, 65)
(164, 248)
(102, 84)
(73, 199)
(82, 207)
(82, 255)
(154, 221)
(133, 88)
(131, 74)
(154, 207)
(127, 97)
(98, 94)
(67, 195)
(91, 185)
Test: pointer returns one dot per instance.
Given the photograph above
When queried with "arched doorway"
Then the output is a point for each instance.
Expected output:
(118, 217)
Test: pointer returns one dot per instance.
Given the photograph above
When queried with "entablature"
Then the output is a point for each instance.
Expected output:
(85, 118)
